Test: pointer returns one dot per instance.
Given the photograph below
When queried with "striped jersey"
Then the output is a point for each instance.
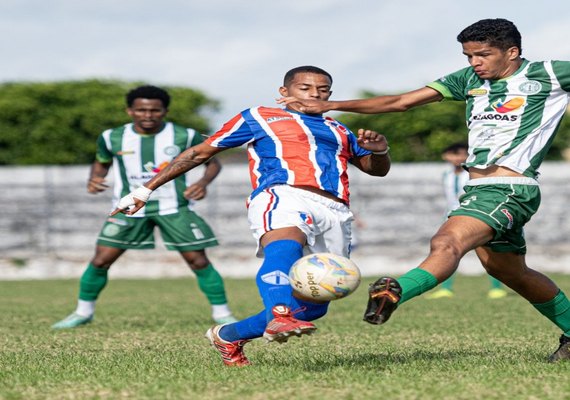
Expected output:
(512, 121)
(138, 157)
(286, 147)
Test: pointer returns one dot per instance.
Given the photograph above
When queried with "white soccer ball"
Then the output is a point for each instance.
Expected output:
(324, 277)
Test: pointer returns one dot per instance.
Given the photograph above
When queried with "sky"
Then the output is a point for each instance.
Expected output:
(238, 51)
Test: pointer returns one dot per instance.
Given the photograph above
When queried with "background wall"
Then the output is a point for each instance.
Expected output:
(49, 223)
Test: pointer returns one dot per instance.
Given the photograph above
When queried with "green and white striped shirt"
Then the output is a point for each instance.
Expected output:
(511, 121)
(137, 158)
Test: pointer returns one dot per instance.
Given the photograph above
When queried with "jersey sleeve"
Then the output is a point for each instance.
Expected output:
(233, 133)
(452, 86)
(562, 71)
(103, 154)
(355, 148)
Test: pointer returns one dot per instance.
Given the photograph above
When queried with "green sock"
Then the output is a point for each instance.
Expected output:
(448, 283)
(495, 283)
(92, 283)
(557, 310)
(416, 282)
(211, 284)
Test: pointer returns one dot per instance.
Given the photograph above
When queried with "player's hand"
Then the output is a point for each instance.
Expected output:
(133, 202)
(96, 184)
(371, 140)
(195, 191)
(305, 106)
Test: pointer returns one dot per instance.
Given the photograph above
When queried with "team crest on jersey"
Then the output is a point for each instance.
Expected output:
(172, 151)
(336, 125)
(530, 87)
(150, 167)
(277, 119)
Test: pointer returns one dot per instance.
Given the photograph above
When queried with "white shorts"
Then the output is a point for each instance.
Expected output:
(325, 222)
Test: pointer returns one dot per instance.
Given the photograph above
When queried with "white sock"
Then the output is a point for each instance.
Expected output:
(85, 308)
(220, 310)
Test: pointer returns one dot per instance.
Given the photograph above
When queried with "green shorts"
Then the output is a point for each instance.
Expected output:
(183, 231)
(506, 204)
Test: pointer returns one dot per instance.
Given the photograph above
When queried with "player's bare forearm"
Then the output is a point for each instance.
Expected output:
(213, 168)
(96, 182)
(373, 105)
(186, 161)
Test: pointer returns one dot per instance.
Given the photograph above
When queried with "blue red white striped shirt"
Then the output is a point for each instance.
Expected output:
(286, 147)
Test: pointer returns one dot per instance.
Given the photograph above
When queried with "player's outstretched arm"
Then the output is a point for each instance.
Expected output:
(187, 160)
(373, 105)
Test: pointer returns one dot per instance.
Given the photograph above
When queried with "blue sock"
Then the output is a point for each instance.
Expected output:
(249, 328)
(254, 326)
(311, 311)
(273, 276)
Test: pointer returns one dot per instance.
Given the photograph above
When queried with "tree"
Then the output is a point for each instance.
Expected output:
(58, 122)
(420, 134)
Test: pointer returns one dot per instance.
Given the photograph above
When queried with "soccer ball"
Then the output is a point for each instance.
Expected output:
(324, 277)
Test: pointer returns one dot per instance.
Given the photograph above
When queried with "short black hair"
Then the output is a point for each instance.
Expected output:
(498, 32)
(455, 148)
(290, 75)
(148, 92)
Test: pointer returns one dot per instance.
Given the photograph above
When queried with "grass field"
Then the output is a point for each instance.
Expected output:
(147, 343)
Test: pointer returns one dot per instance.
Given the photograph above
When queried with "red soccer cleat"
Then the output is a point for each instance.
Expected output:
(284, 325)
(231, 352)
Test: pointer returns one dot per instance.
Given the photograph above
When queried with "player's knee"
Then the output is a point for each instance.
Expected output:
(101, 262)
(446, 244)
(196, 260)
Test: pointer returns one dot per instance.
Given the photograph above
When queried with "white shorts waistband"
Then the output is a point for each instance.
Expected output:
(502, 180)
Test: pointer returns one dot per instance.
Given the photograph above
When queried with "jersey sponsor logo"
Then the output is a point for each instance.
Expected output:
(277, 119)
(511, 105)
(125, 152)
(172, 151)
(495, 117)
(509, 217)
(276, 278)
(530, 87)
(477, 92)
(150, 167)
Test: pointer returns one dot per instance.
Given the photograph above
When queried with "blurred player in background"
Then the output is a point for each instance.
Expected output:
(514, 107)
(298, 167)
(454, 179)
(138, 151)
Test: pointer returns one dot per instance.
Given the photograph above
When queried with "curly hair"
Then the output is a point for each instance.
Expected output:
(498, 32)
(148, 92)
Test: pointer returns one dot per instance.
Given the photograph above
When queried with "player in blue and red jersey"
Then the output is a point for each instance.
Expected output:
(299, 172)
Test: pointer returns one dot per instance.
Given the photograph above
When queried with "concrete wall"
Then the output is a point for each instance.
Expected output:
(47, 213)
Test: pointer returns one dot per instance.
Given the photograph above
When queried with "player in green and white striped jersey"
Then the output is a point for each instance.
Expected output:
(514, 107)
(139, 150)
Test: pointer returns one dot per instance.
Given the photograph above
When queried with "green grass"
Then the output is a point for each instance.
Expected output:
(147, 343)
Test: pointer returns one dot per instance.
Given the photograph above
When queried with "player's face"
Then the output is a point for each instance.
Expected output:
(491, 62)
(147, 115)
(308, 86)
(455, 158)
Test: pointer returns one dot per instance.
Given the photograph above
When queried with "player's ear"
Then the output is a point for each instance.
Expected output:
(283, 91)
(129, 111)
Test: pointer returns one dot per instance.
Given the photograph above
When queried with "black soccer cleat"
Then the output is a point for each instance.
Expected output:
(383, 298)
(563, 352)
